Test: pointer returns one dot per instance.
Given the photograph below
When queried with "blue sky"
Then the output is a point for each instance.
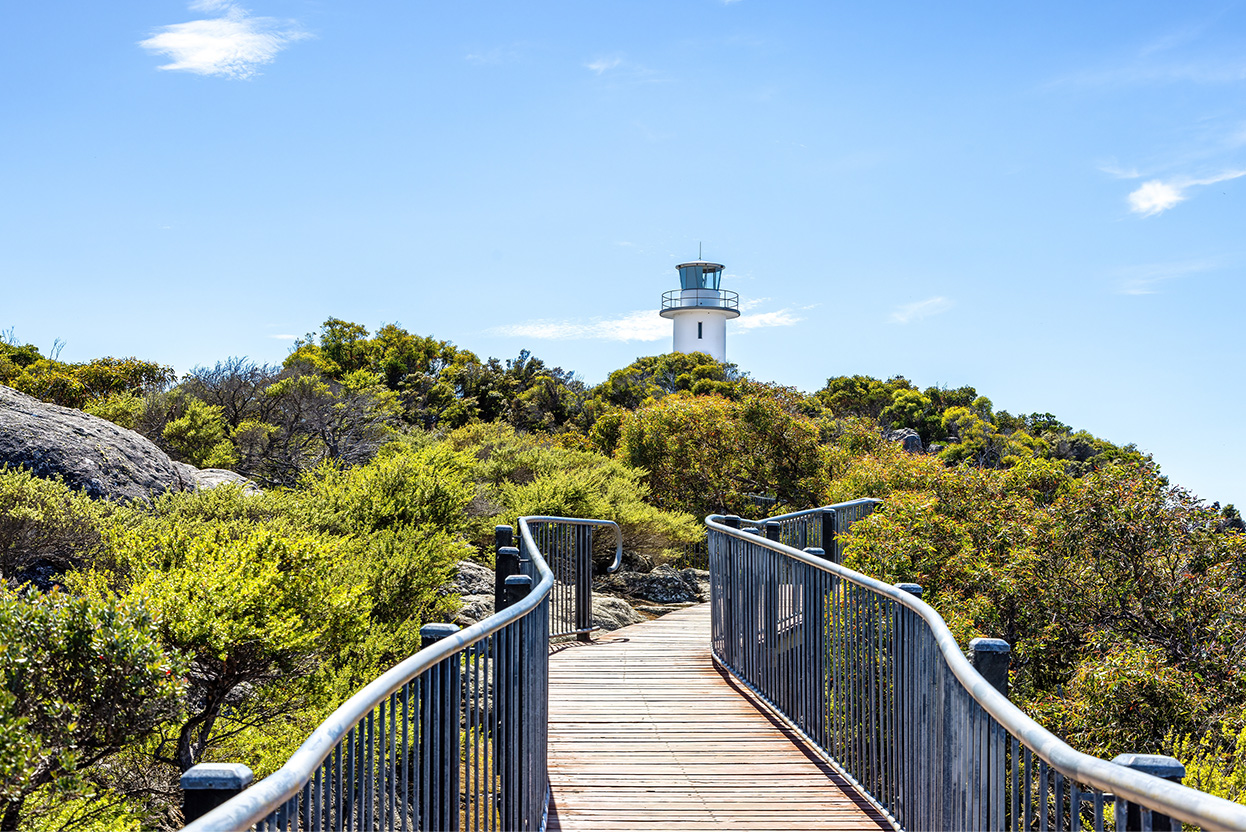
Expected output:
(1044, 201)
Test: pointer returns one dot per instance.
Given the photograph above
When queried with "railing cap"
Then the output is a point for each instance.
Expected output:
(217, 776)
(989, 645)
(1157, 765)
(436, 632)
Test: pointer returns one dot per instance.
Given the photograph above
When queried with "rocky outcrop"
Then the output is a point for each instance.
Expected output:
(93, 455)
(90, 454)
(471, 578)
(908, 438)
(665, 586)
(212, 477)
(611, 612)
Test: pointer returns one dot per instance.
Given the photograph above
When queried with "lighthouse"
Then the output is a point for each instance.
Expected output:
(700, 309)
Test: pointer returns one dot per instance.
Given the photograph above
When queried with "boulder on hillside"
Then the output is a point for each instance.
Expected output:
(206, 478)
(908, 438)
(665, 586)
(473, 579)
(611, 612)
(89, 453)
(92, 454)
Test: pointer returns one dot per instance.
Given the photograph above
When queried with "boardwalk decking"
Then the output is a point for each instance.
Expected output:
(645, 733)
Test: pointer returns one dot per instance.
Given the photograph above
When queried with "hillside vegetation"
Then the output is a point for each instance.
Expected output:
(239, 621)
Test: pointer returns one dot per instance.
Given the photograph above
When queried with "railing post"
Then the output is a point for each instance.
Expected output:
(515, 589)
(990, 657)
(584, 582)
(208, 785)
(813, 626)
(1129, 815)
(439, 735)
(769, 588)
(828, 534)
(911, 589)
(728, 599)
(506, 564)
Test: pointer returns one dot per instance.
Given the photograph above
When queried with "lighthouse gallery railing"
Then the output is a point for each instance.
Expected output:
(872, 676)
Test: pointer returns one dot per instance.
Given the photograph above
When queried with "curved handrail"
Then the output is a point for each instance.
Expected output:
(526, 533)
(256, 803)
(1173, 799)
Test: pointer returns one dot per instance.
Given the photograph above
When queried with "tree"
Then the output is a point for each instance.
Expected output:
(80, 678)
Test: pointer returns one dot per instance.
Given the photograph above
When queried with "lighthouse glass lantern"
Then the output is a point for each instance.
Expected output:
(700, 309)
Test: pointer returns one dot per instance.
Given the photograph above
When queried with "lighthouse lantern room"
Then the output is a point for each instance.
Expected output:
(700, 309)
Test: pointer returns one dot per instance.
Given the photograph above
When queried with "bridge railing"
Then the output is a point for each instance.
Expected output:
(872, 676)
(453, 737)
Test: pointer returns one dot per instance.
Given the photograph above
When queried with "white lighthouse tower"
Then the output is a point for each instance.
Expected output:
(700, 309)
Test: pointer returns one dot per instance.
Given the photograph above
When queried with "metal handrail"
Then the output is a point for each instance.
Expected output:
(1152, 793)
(260, 801)
(567, 543)
(578, 521)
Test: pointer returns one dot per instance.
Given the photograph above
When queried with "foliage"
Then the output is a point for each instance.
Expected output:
(199, 436)
(249, 606)
(43, 524)
(679, 441)
(79, 679)
(519, 475)
(74, 385)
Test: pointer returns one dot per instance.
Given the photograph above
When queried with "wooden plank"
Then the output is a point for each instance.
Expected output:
(646, 733)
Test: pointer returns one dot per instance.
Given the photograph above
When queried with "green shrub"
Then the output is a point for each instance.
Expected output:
(45, 523)
(79, 679)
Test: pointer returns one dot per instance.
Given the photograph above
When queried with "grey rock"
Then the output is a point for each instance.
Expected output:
(207, 478)
(475, 608)
(611, 612)
(473, 579)
(90, 454)
(700, 578)
(665, 586)
(907, 437)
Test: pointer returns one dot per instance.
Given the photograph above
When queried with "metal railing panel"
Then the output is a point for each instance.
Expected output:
(566, 543)
(454, 737)
(872, 676)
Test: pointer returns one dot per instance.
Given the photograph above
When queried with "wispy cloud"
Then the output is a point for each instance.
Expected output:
(1157, 196)
(910, 312)
(234, 44)
(641, 325)
(780, 317)
(1148, 279)
(284, 337)
(1112, 169)
(496, 55)
(601, 65)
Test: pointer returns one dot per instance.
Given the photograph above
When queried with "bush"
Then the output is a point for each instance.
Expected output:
(81, 678)
(45, 527)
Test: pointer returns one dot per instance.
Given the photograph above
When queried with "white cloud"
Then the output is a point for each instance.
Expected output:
(1156, 196)
(234, 45)
(921, 309)
(284, 337)
(781, 317)
(602, 64)
(641, 325)
(1146, 279)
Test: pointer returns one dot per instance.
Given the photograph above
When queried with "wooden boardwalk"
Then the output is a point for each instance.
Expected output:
(645, 733)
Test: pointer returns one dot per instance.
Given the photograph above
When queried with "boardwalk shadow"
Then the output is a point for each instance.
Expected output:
(815, 756)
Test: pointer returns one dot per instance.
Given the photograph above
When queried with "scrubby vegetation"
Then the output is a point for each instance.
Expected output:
(240, 620)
